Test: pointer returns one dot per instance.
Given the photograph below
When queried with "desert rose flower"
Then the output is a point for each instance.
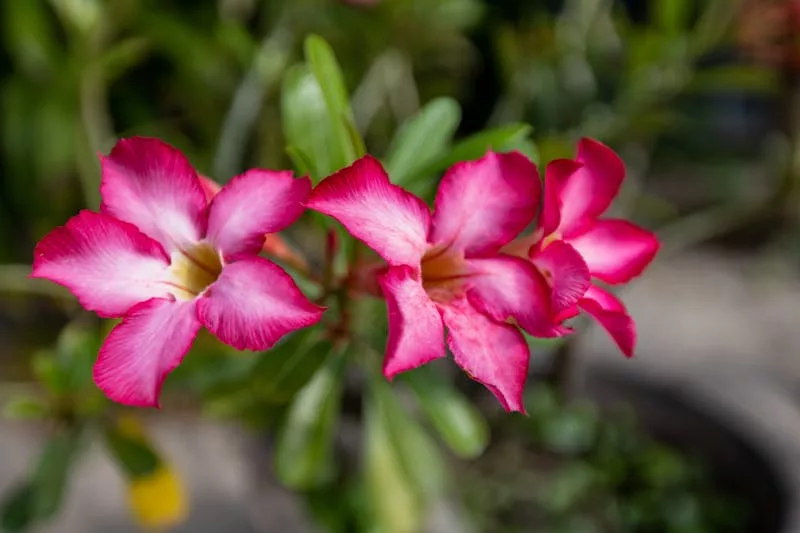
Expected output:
(167, 262)
(445, 270)
(572, 244)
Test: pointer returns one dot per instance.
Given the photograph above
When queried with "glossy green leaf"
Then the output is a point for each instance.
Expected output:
(457, 420)
(417, 453)
(501, 139)
(50, 475)
(304, 449)
(134, 454)
(328, 74)
(25, 408)
(307, 126)
(301, 161)
(422, 139)
(396, 505)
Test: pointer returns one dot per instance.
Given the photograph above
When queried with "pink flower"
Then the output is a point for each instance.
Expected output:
(445, 269)
(168, 262)
(572, 244)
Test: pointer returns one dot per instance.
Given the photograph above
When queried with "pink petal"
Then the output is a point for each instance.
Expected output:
(416, 333)
(107, 264)
(611, 314)
(567, 272)
(482, 205)
(253, 304)
(616, 250)
(148, 344)
(251, 205)
(505, 287)
(606, 300)
(492, 353)
(556, 174)
(153, 186)
(388, 219)
(586, 193)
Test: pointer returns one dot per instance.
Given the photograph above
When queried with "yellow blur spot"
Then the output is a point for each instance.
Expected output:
(158, 500)
(550, 239)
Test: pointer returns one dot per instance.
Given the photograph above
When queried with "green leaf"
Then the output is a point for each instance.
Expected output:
(25, 408)
(422, 139)
(321, 59)
(49, 372)
(133, 454)
(16, 513)
(50, 475)
(304, 450)
(458, 422)
(307, 126)
(122, 57)
(396, 505)
(673, 15)
(501, 139)
(282, 371)
(417, 453)
(76, 351)
(301, 161)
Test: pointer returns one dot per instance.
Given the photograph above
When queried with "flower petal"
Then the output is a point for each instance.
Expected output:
(252, 204)
(253, 304)
(416, 333)
(616, 250)
(148, 344)
(107, 264)
(566, 271)
(611, 314)
(586, 193)
(506, 287)
(482, 205)
(387, 218)
(492, 353)
(556, 174)
(153, 186)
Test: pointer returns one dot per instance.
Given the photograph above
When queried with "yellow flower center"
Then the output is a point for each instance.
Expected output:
(443, 273)
(194, 269)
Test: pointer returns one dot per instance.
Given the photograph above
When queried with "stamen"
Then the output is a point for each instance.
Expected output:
(194, 270)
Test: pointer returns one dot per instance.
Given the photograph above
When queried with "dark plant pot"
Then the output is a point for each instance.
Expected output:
(732, 426)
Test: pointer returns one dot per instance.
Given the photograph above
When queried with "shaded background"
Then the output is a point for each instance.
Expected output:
(701, 99)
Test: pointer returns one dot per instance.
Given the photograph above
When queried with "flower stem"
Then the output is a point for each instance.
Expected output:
(563, 367)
